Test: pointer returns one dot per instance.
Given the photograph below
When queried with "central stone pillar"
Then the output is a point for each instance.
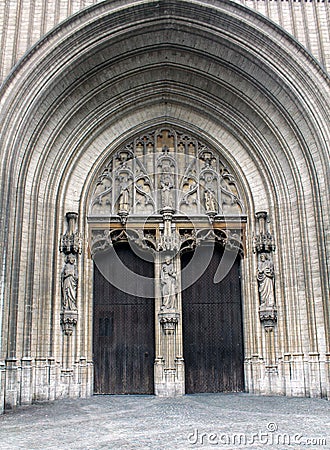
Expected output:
(169, 364)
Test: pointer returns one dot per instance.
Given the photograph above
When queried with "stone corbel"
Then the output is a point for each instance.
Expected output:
(268, 317)
(69, 320)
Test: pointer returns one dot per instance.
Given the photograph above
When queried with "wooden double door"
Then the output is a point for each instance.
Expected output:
(124, 326)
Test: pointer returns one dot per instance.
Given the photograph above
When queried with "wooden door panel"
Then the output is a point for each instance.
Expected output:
(123, 334)
(212, 328)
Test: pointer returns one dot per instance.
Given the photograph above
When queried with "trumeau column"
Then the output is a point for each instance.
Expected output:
(71, 247)
(169, 366)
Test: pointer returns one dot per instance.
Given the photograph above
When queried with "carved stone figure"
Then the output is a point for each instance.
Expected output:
(69, 281)
(168, 281)
(266, 278)
(167, 199)
(210, 203)
(124, 200)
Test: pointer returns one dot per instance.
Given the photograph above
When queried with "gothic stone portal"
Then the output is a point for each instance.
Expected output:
(165, 193)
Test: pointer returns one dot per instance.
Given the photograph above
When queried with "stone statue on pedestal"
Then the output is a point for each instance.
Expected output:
(166, 195)
(69, 282)
(266, 277)
(124, 200)
(168, 281)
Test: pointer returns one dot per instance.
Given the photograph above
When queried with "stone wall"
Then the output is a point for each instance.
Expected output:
(307, 21)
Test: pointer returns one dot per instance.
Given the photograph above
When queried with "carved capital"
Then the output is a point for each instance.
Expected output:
(167, 213)
(168, 322)
(168, 243)
(185, 178)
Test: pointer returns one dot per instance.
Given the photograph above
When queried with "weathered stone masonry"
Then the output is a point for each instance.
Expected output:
(221, 73)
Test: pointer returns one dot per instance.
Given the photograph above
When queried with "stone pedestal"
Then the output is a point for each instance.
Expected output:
(169, 369)
(11, 384)
(41, 392)
(2, 386)
(26, 381)
(314, 374)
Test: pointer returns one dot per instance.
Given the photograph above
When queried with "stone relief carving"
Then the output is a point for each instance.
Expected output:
(102, 198)
(166, 194)
(124, 199)
(230, 199)
(165, 169)
(209, 182)
(231, 239)
(162, 192)
(102, 240)
(166, 164)
(144, 202)
(210, 204)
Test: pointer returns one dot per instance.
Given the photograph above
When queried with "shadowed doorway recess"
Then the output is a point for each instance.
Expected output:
(124, 341)
(212, 325)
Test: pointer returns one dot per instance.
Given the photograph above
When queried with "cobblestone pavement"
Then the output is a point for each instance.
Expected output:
(202, 421)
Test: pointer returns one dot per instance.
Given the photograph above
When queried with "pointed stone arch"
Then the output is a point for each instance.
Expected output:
(223, 73)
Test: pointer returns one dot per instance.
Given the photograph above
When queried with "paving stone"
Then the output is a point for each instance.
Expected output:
(227, 421)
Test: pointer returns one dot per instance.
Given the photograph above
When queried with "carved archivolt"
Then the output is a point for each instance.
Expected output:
(165, 170)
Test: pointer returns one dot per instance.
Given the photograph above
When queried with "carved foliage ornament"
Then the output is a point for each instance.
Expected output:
(165, 170)
(186, 239)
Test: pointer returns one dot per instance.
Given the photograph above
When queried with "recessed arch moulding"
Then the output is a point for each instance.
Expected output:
(105, 77)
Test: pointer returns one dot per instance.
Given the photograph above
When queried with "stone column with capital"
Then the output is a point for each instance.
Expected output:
(169, 365)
